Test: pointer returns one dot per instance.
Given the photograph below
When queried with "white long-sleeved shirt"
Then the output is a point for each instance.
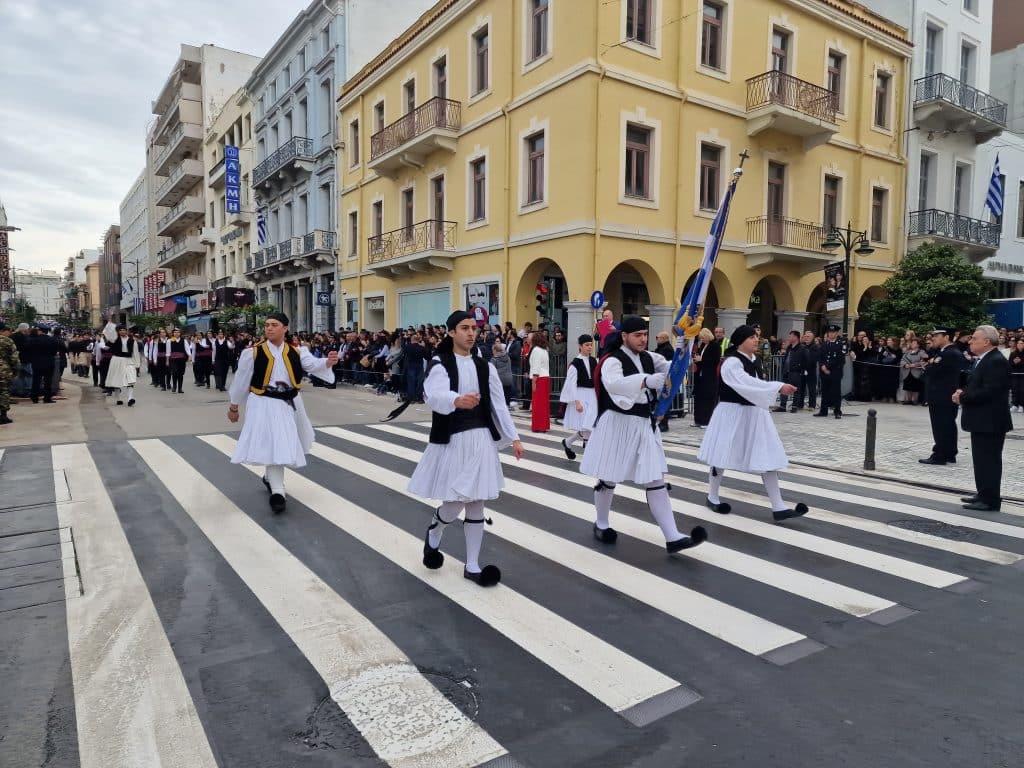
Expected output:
(627, 391)
(761, 393)
(568, 393)
(279, 373)
(438, 394)
(539, 362)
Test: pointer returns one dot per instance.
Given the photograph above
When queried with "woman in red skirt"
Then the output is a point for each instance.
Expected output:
(540, 375)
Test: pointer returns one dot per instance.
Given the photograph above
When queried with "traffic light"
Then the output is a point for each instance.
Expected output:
(543, 293)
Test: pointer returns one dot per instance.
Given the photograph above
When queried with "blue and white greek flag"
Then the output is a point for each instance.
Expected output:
(261, 229)
(994, 200)
(139, 305)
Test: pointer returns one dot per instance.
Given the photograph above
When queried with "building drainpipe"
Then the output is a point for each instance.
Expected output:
(677, 270)
(509, 291)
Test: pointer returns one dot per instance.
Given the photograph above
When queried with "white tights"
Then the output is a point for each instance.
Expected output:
(473, 527)
(658, 501)
(771, 487)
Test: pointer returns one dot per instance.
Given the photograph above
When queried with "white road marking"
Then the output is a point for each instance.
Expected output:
(866, 558)
(131, 702)
(783, 578)
(612, 677)
(738, 628)
(405, 719)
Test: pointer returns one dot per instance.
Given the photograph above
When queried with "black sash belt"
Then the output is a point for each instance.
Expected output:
(287, 395)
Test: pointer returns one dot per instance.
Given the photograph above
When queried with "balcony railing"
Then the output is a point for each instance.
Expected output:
(435, 113)
(189, 283)
(785, 233)
(430, 235)
(296, 148)
(954, 226)
(940, 87)
(784, 90)
(188, 203)
(318, 240)
(187, 244)
(188, 166)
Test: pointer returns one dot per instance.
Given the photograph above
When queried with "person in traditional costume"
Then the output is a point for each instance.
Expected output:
(578, 396)
(277, 432)
(177, 358)
(742, 435)
(202, 365)
(625, 445)
(223, 355)
(461, 467)
(125, 361)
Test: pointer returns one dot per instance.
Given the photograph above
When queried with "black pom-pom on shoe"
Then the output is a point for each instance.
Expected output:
(786, 514)
(605, 535)
(277, 502)
(488, 577)
(570, 454)
(697, 536)
(721, 508)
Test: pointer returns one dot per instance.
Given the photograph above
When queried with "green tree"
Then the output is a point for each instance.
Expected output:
(151, 321)
(934, 285)
(250, 317)
(19, 311)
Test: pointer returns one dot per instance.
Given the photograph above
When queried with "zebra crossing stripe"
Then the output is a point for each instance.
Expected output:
(989, 526)
(132, 705)
(866, 558)
(402, 716)
(783, 578)
(743, 630)
(616, 679)
(963, 548)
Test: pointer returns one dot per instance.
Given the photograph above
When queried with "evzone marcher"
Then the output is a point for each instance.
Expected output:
(223, 354)
(742, 435)
(626, 444)
(461, 467)
(125, 360)
(578, 396)
(277, 432)
(202, 356)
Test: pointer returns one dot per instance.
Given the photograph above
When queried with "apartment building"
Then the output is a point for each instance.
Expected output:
(950, 112)
(499, 145)
(293, 91)
(134, 212)
(43, 289)
(110, 273)
(230, 230)
(74, 286)
(89, 299)
(200, 83)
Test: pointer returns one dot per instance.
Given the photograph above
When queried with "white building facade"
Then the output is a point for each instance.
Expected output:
(42, 289)
(135, 260)
(951, 113)
(294, 180)
(201, 82)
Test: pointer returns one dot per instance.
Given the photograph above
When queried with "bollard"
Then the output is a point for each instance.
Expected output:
(869, 439)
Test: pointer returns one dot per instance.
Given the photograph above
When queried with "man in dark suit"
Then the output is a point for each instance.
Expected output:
(41, 351)
(943, 372)
(986, 406)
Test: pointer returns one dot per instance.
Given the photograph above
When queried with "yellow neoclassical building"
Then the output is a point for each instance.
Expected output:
(497, 144)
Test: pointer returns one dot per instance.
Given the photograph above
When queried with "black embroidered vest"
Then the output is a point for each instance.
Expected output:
(263, 366)
(443, 426)
(583, 377)
(604, 400)
(727, 394)
(115, 348)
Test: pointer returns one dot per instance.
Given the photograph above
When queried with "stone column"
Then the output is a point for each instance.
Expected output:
(301, 305)
(731, 319)
(660, 320)
(579, 320)
(790, 321)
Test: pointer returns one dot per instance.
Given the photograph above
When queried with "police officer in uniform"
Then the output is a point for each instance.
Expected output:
(944, 372)
(830, 364)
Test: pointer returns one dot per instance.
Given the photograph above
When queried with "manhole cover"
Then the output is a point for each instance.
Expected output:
(935, 528)
(385, 689)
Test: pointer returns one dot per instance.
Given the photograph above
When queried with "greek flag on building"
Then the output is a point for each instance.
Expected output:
(261, 229)
(994, 200)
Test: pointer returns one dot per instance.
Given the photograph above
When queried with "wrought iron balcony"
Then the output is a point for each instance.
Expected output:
(427, 244)
(778, 238)
(185, 176)
(433, 125)
(944, 103)
(216, 176)
(778, 101)
(978, 239)
(318, 240)
(296, 153)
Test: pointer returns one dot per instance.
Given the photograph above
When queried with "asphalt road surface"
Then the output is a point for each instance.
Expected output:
(154, 612)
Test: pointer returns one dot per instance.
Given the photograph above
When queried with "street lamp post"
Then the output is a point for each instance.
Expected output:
(851, 241)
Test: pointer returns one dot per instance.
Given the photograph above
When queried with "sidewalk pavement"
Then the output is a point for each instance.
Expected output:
(46, 423)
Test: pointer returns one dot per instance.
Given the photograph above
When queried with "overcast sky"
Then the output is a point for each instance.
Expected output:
(76, 83)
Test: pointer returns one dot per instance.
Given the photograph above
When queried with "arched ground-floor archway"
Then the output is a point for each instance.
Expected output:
(719, 295)
(542, 270)
(870, 294)
(769, 295)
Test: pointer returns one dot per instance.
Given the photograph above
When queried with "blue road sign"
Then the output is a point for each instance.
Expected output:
(323, 298)
(597, 299)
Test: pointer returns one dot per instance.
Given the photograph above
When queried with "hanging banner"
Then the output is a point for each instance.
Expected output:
(151, 290)
(5, 263)
(835, 286)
